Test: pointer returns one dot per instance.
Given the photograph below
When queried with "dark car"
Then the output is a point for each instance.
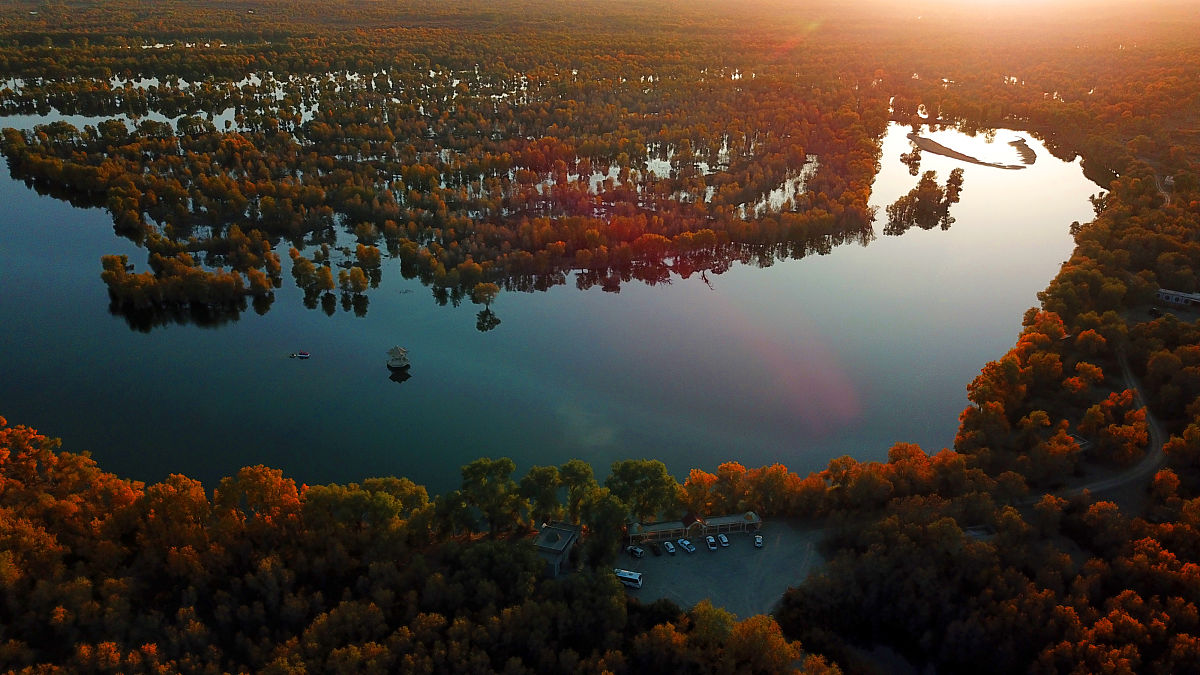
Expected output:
(655, 548)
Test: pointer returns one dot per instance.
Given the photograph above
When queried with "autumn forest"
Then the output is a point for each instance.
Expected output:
(494, 148)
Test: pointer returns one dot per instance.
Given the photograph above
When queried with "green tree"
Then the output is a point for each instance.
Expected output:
(487, 485)
(603, 513)
(452, 514)
(486, 320)
(540, 487)
(644, 485)
(711, 626)
(576, 475)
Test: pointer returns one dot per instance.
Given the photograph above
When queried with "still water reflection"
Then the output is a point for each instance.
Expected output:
(797, 363)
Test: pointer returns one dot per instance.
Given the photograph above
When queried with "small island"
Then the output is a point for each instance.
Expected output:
(930, 145)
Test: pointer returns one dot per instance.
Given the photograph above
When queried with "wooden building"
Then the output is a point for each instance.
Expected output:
(693, 527)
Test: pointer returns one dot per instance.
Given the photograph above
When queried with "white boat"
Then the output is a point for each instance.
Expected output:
(398, 358)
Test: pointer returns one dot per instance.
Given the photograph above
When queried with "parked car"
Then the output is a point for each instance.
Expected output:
(723, 540)
(687, 546)
(758, 541)
(635, 551)
(712, 543)
(669, 547)
(654, 548)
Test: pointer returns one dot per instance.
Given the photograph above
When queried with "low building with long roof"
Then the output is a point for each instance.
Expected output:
(693, 527)
(1181, 298)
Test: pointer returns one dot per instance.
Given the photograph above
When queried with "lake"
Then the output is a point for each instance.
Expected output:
(797, 363)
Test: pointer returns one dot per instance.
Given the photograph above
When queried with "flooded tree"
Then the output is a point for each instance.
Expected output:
(927, 205)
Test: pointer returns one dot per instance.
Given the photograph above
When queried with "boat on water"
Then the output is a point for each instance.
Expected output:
(299, 355)
(398, 358)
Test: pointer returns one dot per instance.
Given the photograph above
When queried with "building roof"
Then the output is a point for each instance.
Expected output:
(749, 518)
(646, 529)
(556, 537)
(649, 528)
(1182, 294)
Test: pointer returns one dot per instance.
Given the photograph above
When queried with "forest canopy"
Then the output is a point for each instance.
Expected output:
(492, 147)
(352, 132)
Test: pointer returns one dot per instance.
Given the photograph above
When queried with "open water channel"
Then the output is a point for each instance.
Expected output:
(797, 363)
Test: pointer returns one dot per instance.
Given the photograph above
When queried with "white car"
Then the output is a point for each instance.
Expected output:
(712, 543)
(758, 541)
(669, 547)
(635, 551)
(687, 546)
(723, 540)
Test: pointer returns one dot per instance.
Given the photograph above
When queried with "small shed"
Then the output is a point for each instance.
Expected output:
(553, 543)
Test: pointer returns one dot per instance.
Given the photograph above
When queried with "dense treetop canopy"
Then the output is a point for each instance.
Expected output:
(510, 146)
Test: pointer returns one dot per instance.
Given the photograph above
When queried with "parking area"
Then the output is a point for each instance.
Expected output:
(740, 578)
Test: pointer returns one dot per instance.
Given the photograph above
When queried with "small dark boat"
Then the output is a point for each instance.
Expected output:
(300, 355)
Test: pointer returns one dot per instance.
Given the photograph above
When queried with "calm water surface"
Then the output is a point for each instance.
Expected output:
(797, 363)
